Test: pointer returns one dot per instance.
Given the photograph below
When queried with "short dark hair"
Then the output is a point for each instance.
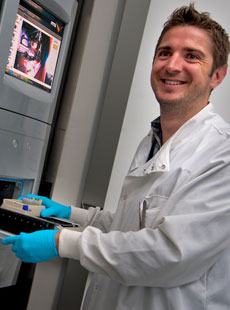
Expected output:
(188, 15)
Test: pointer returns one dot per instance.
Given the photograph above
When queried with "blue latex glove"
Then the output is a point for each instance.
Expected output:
(35, 247)
(52, 208)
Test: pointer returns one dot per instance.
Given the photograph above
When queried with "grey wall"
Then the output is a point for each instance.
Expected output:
(83, 98)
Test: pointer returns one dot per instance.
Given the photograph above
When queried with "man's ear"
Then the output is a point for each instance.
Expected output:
(218, 76)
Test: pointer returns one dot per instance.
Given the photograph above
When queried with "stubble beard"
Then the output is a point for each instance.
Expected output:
(184, 104)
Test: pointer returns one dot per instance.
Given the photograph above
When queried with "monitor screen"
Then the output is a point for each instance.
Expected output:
(35, 45)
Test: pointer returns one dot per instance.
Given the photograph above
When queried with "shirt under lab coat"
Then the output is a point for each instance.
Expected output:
(167, 247)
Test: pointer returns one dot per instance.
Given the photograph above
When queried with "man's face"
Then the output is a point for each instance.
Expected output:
(182, 66)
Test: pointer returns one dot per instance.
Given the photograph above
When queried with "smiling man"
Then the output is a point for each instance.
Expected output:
(167, 247)
(184, 73)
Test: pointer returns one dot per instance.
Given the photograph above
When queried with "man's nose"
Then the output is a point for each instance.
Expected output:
(174, 64)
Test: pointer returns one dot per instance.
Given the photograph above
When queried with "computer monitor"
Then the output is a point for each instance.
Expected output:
(35, 45)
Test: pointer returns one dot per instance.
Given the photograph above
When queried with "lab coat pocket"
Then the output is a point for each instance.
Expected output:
(149, 209)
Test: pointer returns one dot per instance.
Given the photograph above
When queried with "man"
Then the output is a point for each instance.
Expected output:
(168, 245)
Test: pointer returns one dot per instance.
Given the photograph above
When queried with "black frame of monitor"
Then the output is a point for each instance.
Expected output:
(35, 45)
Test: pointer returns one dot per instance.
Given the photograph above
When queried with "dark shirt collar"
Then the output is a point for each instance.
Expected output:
(156, 128)
(156, 139)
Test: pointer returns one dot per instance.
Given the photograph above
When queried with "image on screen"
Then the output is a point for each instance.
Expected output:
(35, 45)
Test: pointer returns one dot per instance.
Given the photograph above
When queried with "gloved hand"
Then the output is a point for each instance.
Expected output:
(35, 247)
(52, 208)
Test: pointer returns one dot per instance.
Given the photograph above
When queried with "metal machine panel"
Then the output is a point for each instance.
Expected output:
(27, 115)
(23, 141)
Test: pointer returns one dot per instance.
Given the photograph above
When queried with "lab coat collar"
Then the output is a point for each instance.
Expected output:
(161, 160)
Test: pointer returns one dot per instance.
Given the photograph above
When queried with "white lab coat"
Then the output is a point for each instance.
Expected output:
(168, 245)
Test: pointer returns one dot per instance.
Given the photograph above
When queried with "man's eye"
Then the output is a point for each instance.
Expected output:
(163, 54)
(192, 57)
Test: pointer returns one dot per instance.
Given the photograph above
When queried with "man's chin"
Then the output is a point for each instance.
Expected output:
(170, 101)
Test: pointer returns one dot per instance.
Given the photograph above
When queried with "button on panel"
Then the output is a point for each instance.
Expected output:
(15, 143)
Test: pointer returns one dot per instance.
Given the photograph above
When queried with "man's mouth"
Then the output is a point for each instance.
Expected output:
(173, 82)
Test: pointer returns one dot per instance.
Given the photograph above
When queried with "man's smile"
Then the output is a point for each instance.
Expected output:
(172, 82)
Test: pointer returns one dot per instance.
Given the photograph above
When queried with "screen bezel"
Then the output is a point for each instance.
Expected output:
(36, 17)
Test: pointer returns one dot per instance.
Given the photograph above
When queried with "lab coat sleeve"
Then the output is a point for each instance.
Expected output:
(79, 215)
(179, 250)
(93, 217)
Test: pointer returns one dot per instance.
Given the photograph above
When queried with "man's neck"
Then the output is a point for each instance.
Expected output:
(169, 125)
(171, 121)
